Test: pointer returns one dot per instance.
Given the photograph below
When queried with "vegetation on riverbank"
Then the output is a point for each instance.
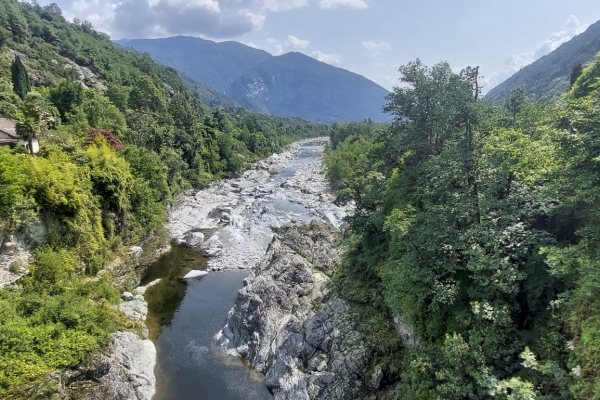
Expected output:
(120, 137)
(479, 225)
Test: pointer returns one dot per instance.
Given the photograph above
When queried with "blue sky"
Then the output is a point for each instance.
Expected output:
(370, 37)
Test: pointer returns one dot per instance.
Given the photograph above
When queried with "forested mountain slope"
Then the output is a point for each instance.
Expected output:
(549, 77)
(289, 85)
(120, 136)
(476, 228)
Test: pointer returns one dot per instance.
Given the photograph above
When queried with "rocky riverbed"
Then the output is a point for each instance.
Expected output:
(233, 221)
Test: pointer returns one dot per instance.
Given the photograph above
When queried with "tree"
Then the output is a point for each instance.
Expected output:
(30, 121)
(576, 73)
(4, 36)
(515, 102)
(20, 78)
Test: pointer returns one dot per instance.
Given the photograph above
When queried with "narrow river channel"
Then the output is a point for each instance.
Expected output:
(184, 316)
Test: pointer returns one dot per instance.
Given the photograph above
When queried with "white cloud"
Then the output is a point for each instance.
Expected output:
(290, 44)
(515, 62)
(296, 43)
(358, 4)
(376, 48)
(283, 5)
(215, 19)
(332, 59)
(100, 13)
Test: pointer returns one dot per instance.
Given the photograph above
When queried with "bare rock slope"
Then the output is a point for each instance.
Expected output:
(290, 328)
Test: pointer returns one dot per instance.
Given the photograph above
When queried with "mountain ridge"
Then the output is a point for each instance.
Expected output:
(549, 77)
(259, 81)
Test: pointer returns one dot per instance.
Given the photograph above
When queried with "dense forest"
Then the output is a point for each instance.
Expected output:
(479, 226)
(120, 136)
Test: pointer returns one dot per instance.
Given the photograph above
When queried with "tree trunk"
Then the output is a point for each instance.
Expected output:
(30, 144)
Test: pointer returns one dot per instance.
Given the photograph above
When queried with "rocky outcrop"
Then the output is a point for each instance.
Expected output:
(126, 370)
(85, 76)
(126, 373)
(290, 328)
(16, 251)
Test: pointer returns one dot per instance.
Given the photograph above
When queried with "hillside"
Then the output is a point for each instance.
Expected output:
(549, 77)
(481, 238)
(292, 84)
(120, 137)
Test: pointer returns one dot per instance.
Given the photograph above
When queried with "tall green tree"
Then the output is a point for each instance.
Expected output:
(576, 73)
(20, 78)
(30, 121)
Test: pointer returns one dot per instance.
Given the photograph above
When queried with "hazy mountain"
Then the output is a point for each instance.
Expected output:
(292, 84)
(549, 77)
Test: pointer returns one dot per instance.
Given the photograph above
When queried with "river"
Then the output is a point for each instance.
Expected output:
(183, 315)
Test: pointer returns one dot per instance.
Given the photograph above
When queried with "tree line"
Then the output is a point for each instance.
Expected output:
(478, 225)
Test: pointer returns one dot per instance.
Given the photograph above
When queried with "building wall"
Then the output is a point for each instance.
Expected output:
(36, 144)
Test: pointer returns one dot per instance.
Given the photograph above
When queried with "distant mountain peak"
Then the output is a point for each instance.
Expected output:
(291, 84)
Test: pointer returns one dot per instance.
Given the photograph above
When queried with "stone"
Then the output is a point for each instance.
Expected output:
(193, 239)
(126, 372)
(135, 251)
(225, 217)
(273, 323)
(135, 309)
(127, 296)
(213, 247)
(195, 274)
(142, 289)
(376, 378)
(406, 332)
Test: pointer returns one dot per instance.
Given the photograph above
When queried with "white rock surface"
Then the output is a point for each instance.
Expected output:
(142, 289)
(135, 309)
(212, 247)
(195, 274)
(194, 239)
(125, 373)
(244, 212)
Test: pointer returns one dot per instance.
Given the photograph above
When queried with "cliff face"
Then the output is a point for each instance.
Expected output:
(288, 325)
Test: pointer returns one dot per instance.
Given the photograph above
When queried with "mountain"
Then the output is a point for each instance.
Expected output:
(291, 84)
(549, 77)
(295, 84)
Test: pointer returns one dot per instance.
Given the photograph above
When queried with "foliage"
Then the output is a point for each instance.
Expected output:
(479, 223)
(20, 78)
(114, 143)
(115, 150)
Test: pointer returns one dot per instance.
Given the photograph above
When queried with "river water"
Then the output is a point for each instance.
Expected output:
(184, 316)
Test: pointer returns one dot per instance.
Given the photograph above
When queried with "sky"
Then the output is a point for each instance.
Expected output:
(369, 37)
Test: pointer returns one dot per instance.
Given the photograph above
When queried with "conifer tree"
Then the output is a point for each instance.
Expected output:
(20, 78)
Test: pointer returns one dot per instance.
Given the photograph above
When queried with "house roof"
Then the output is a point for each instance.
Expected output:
(8, 130)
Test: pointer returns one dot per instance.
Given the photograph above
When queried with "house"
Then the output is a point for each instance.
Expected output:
(8, 136)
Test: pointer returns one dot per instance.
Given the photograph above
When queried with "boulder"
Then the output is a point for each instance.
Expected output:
(194, 239)
(213, 247)
(141, 290)
(195, 274)
(127, 296)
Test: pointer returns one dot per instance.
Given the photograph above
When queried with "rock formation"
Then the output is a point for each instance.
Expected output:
(289, 326)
